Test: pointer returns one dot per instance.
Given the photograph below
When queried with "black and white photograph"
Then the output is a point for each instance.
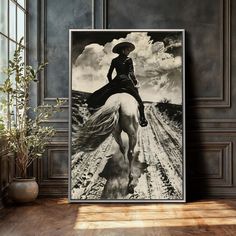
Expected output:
(127, 115)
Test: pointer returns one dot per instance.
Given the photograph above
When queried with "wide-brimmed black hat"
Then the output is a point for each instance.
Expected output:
(120, 46)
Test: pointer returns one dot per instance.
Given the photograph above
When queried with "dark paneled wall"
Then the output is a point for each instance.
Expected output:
(210, 68)
(6, 173)
(4, 178)
(49, 23)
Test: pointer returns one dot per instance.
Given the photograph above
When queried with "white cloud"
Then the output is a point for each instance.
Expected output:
(156, 69)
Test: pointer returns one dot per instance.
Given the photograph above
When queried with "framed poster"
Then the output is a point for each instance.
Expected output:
(127, 116)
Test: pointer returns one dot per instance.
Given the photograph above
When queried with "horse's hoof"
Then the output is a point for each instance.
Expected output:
(131, 177)
(131, 189)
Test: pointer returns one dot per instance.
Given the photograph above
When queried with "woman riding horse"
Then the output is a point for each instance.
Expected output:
(124, 82)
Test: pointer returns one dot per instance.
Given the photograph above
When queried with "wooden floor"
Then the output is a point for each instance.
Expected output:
(57, 217)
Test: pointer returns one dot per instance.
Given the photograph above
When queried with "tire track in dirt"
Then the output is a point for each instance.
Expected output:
(166, 160)
(170, 147)
(155, 184)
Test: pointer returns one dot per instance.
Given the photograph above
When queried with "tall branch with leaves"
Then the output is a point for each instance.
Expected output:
(26, 136)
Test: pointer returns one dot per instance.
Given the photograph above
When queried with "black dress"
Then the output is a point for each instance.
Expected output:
(124, 82)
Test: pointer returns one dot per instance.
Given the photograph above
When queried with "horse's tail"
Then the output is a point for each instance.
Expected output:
(98, 127)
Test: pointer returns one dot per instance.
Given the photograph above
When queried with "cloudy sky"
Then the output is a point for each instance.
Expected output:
(157, 63)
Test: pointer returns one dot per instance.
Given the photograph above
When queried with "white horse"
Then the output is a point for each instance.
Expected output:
(119, 113)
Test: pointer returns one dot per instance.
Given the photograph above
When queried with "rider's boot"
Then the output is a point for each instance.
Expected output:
(142, 120)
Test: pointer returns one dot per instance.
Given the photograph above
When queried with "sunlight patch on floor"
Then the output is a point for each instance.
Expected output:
(152, 223)
(154, 215)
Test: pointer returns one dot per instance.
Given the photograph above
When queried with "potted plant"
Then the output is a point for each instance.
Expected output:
(24, 132)
(3, 142)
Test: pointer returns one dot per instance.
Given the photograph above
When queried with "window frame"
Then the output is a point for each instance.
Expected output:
(10, 40)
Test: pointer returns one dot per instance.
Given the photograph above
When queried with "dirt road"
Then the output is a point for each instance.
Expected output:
(103, 173)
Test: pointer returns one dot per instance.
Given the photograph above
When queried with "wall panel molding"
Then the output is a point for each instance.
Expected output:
(7, 172)
(44, 48)
(52, 181)
(213, 163)
(224, 99)
(53, 171)
(213, 125)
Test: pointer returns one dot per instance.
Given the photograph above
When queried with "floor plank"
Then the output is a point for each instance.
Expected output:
(57, 217)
